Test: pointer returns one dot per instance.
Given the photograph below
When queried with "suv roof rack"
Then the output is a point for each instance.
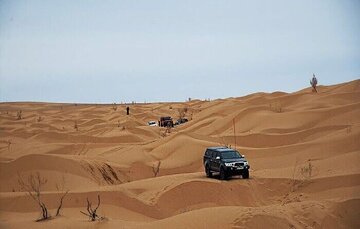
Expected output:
(221, 148)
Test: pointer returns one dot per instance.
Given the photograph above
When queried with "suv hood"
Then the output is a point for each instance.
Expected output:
(234, 160)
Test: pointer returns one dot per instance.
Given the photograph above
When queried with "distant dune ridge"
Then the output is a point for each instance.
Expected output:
(303, 148)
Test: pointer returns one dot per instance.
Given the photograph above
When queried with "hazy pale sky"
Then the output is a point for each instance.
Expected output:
(113, 51)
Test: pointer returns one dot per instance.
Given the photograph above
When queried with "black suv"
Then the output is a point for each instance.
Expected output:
(166, 122)
(181, 121)
(228, 162)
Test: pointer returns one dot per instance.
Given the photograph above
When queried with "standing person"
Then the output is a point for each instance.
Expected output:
(127, 110)
(313, 83)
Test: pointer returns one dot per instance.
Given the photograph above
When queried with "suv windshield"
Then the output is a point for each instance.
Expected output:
(230, 154)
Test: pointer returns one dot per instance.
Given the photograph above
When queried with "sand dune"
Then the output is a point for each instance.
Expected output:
(92, 149)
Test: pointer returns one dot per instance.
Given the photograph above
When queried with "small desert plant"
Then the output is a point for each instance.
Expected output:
(313, 83)
(19, 115)
(33, 186)
(348, 129)
(61, 203)
(307, 171)
(276, 107)
(114, 107)
(91, 213)
(9, 144)
(168, 129)
(76, 126)
(39, 119)
(182, 112)
(61, 187)
(156, 168)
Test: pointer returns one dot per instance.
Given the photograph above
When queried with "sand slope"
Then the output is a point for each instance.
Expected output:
(92, 149)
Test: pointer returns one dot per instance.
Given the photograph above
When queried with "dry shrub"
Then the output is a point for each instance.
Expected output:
(276, 107)
(348, 129)
(182, 112)
(33, 186)
(166, 131)
(156, 168)
(19, 115)
(9, 144)
(307, 171)
(91, 213)
(76, 126)
(114, 107)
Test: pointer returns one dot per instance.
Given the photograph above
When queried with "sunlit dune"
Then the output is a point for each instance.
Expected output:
(303, 148)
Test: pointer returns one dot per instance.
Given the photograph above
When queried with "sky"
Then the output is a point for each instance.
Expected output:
(150, 51)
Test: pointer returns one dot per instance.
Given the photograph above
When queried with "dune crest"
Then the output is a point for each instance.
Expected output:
(303, 148)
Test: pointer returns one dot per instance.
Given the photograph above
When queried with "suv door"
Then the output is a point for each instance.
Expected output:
(212, 159)
(216, 163)
(207, 157)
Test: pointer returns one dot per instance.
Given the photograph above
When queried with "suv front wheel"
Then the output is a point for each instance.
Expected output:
(208, 171)
(245, 174)
(222, 173)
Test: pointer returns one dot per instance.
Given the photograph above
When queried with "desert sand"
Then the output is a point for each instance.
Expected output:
(303, 148)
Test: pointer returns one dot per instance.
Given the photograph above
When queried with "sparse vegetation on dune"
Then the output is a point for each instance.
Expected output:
(182, 112)
(92, 212)
(39, 119)
(34, 185)
(19, 115)
(276, 107)
(114, 106)
(156, 168)
(302, 150)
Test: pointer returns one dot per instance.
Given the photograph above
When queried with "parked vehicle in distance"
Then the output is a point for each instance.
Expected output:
(181, 121)
(166, 121)
(152, 123)
(225, 161)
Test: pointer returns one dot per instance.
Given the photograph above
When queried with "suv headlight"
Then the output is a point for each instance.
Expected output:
(230, 164)
(246, 163)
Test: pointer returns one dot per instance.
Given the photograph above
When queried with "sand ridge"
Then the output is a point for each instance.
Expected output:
(93, 149)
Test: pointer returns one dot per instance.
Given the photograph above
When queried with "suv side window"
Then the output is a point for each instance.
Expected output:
(208, 153)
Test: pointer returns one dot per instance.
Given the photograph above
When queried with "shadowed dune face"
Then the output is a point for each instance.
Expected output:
(303, 148)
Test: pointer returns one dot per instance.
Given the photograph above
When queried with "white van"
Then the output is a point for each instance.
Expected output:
(152, 123)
